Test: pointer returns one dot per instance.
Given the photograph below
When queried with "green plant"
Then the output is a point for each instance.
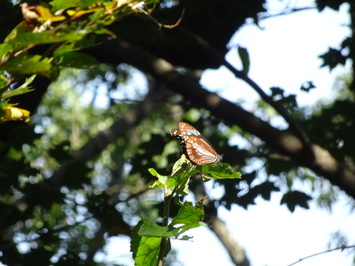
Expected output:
(49, 38)
(151, 242)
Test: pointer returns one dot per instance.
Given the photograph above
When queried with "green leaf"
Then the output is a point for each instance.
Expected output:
(145, 249)
(34, 38)
(30, 64)
(20, 90)
(162, 180)
(19, 29)
(180, 164)
(150, 228)
(76, 60)
(294, 198)
(69, 46)
(189, 216)
(244, 57)
(19, 39)
(4, 49)
(86, 3)
(219, 171)
(64, 4)
(180, 176)
(182, 171)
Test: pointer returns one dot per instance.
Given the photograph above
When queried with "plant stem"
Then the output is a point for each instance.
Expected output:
(168, 195)
(164, 240)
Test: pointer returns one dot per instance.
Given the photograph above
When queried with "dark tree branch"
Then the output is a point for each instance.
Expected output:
(241, 75)
(236, 252)
(316, 158)
(287, 11)
(95, 246)
(96, 145)
(269, 156)
(218, 227)
(352, 43)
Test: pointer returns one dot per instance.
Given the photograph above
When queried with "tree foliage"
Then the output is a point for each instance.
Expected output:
(77, 173)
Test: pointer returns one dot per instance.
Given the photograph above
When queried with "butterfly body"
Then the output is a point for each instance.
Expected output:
(195, 146)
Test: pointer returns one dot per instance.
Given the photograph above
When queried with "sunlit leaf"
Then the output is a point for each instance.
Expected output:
(64, 4)
(189, 216)
(149, 228)
(12, 113)
(46, 14)
(179, 180)
(162, 180)
(220, 171)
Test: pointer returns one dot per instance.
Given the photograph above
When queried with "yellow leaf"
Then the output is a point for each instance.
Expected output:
(79, 13)
(14, 114)
(46, 14)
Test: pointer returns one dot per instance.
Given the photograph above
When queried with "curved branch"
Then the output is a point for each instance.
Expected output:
(241, 75)
(97, 144)
(316, 158)
(236, 252)
(218, 227)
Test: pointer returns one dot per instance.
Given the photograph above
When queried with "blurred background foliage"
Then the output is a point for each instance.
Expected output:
(102, 196)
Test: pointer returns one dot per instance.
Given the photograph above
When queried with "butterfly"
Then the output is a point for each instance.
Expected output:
(194, 145)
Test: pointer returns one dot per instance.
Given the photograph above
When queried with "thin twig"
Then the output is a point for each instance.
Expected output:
(323, 252)
(285, 12)
(273, 156)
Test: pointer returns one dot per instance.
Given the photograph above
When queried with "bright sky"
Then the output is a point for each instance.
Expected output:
(270, 234)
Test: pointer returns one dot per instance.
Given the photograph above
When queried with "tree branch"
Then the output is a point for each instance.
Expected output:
(218, 227)
(315, 158)
(241, 75)
(287, 11)
(236, 252)
(97, 144)
(323, 252)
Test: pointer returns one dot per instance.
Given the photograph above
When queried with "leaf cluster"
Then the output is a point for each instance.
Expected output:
(150, 241)
(48, 39)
